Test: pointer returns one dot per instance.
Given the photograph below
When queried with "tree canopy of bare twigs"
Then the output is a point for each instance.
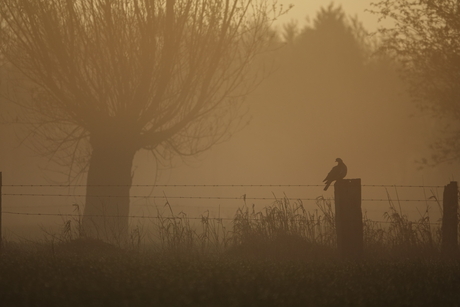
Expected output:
(106, 78)
(425, 37)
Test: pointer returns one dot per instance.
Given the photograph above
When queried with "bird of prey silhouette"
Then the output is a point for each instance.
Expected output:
(337, 172)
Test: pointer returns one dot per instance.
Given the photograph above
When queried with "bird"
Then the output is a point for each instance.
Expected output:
(337, 172)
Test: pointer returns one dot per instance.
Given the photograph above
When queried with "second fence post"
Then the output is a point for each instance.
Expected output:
(349, 217)
(1, 210)
(450, 218)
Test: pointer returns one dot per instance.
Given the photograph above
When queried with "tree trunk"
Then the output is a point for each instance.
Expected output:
(107, 193)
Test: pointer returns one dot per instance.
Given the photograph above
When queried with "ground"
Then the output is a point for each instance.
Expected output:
(50, 277)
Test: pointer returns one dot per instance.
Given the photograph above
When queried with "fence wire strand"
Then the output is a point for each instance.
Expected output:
(243, 197)
(211, 185)
(202, 218)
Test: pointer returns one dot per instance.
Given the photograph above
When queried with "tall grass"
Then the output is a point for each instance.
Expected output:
(409, 238)
(283, 229)
(178, 234)
(286, 218)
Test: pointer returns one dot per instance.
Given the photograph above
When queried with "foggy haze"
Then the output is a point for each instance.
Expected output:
(326, 99)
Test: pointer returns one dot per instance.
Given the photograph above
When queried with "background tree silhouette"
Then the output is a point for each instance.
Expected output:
(108, 78)
(324, 65)
(425, 38)
(342, 97)
(330, 53)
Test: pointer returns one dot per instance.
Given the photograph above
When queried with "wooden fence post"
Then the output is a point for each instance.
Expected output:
(1, 234)
(450, 218)
(349, 217)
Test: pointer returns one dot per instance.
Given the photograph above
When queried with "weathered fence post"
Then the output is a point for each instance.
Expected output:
(349, 217)
(1, 234)
(450, 218)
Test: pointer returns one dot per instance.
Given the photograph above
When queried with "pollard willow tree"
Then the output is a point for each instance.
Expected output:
(108, 78)
(425, 37)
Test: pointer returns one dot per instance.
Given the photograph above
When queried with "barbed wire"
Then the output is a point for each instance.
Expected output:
(243, 197)
(153, 196)
(400, 186)
(75, 204)
(211, 185)
(203, 218)
(113, 216)
(166, 185)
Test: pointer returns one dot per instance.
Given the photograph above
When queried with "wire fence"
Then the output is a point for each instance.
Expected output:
(166, 218)
(112, 216)
(212, 185)
(12, 193)
(202, 197)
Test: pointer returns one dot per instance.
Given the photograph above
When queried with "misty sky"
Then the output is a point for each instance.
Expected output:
(302, 8)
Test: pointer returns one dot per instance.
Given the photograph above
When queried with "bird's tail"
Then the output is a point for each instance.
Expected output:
(327, 185)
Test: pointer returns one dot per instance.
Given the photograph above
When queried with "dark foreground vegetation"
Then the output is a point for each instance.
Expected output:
(282, 256)
(44, 278)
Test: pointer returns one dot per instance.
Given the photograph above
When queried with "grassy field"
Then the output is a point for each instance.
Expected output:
(282, 256)
(46, 278)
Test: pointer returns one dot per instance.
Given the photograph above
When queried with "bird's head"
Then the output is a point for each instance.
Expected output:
(338, 160)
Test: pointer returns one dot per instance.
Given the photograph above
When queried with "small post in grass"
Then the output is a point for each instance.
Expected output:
(1, 234)
(349, 217)
(450, 219)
